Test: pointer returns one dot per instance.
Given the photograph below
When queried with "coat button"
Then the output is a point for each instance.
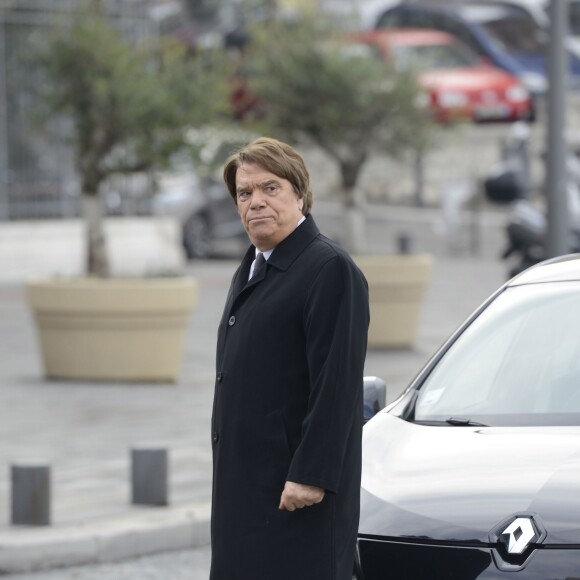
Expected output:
(215, 437)
(232, 320)
(219, 377)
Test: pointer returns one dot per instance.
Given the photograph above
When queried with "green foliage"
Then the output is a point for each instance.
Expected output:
(129, 103)
(327, 88)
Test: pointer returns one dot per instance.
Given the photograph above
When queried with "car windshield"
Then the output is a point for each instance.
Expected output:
(574, 22)
(516, 34)
(433, 57)
(511, 28)
(518, 363)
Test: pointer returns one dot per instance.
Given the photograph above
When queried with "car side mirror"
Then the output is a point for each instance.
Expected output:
(375, 396)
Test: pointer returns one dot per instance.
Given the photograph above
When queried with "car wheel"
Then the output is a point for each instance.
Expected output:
(196, 237)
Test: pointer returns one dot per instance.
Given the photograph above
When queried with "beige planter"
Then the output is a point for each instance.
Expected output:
(114, 329)
(397, 286)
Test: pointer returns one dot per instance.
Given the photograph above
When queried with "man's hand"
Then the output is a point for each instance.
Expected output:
(297, 496)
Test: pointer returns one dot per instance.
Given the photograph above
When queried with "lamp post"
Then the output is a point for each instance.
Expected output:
(4, 209)
(556, 174)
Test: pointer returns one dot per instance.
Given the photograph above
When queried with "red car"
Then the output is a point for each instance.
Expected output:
(458, 83)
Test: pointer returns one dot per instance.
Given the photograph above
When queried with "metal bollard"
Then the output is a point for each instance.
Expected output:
(150, 475)
(403, 243)
(30, 494)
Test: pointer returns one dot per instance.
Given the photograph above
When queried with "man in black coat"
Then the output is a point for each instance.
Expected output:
(287, 416)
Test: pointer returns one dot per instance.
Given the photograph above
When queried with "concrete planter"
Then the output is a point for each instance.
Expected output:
(397, 286)
(113, 329)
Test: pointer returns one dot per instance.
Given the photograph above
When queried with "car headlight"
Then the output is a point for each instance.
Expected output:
(452, 99)
(534, 82)
(517, 94)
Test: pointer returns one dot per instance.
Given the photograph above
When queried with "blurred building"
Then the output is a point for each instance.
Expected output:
(37, 178)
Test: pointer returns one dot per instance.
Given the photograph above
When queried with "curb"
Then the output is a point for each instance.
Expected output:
(145, 532)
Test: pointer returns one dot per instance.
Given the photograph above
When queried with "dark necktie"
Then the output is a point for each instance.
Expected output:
(260, 261)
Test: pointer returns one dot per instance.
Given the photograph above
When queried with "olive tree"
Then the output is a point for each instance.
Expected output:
(324, 87)
(129, 104)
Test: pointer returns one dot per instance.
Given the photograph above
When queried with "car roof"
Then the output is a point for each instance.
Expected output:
(560, 269)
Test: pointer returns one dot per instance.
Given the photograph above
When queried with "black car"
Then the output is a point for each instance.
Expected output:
(474, 471)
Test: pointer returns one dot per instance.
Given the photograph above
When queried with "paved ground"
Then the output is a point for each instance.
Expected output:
(86, 430)
(176, 565)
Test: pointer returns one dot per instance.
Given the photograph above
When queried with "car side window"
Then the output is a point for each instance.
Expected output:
(392, 19)
(461, 31)
(445, 23)
(423, 20)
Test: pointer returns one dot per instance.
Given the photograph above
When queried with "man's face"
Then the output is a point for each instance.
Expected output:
(269, 207)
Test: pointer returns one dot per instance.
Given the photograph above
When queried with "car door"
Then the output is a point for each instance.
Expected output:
(224, 219)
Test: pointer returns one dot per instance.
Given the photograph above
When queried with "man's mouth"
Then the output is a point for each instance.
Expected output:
(259, 219)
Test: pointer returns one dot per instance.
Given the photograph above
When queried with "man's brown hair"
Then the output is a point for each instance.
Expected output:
(277, 158)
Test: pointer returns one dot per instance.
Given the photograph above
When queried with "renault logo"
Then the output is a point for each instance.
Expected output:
(518, 535)
(515, 539)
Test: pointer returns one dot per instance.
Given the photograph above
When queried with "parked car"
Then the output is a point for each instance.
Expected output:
(204, 209)
(501, 34)
(457, 82)
(473, 472)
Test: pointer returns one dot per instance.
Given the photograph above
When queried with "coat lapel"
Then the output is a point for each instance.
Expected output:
(291, 247)
(282, 257)
(241, 279)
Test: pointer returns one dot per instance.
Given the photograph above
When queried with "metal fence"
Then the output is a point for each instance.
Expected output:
(37, 177)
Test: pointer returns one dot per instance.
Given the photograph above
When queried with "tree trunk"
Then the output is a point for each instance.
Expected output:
(97, 262)
(419, 174)
(354, 229)
(349, 173)
(353, 217)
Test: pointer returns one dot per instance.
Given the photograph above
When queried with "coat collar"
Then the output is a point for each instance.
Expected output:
(282, 257)
(293, 245)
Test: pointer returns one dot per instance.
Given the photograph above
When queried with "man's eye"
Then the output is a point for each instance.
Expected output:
(243, 194)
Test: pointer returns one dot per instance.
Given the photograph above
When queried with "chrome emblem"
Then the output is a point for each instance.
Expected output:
(518, 535)
(514, 540)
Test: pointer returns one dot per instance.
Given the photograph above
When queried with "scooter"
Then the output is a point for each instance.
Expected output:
(526, 233)
(526, 229)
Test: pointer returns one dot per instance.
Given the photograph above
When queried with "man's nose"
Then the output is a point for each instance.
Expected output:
(257, 199)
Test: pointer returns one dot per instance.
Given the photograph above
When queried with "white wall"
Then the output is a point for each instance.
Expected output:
(136, 246)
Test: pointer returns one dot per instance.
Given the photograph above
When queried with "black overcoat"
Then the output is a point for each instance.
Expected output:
(288, 406)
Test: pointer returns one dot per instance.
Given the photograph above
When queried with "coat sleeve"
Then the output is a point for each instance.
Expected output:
(335, 321)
